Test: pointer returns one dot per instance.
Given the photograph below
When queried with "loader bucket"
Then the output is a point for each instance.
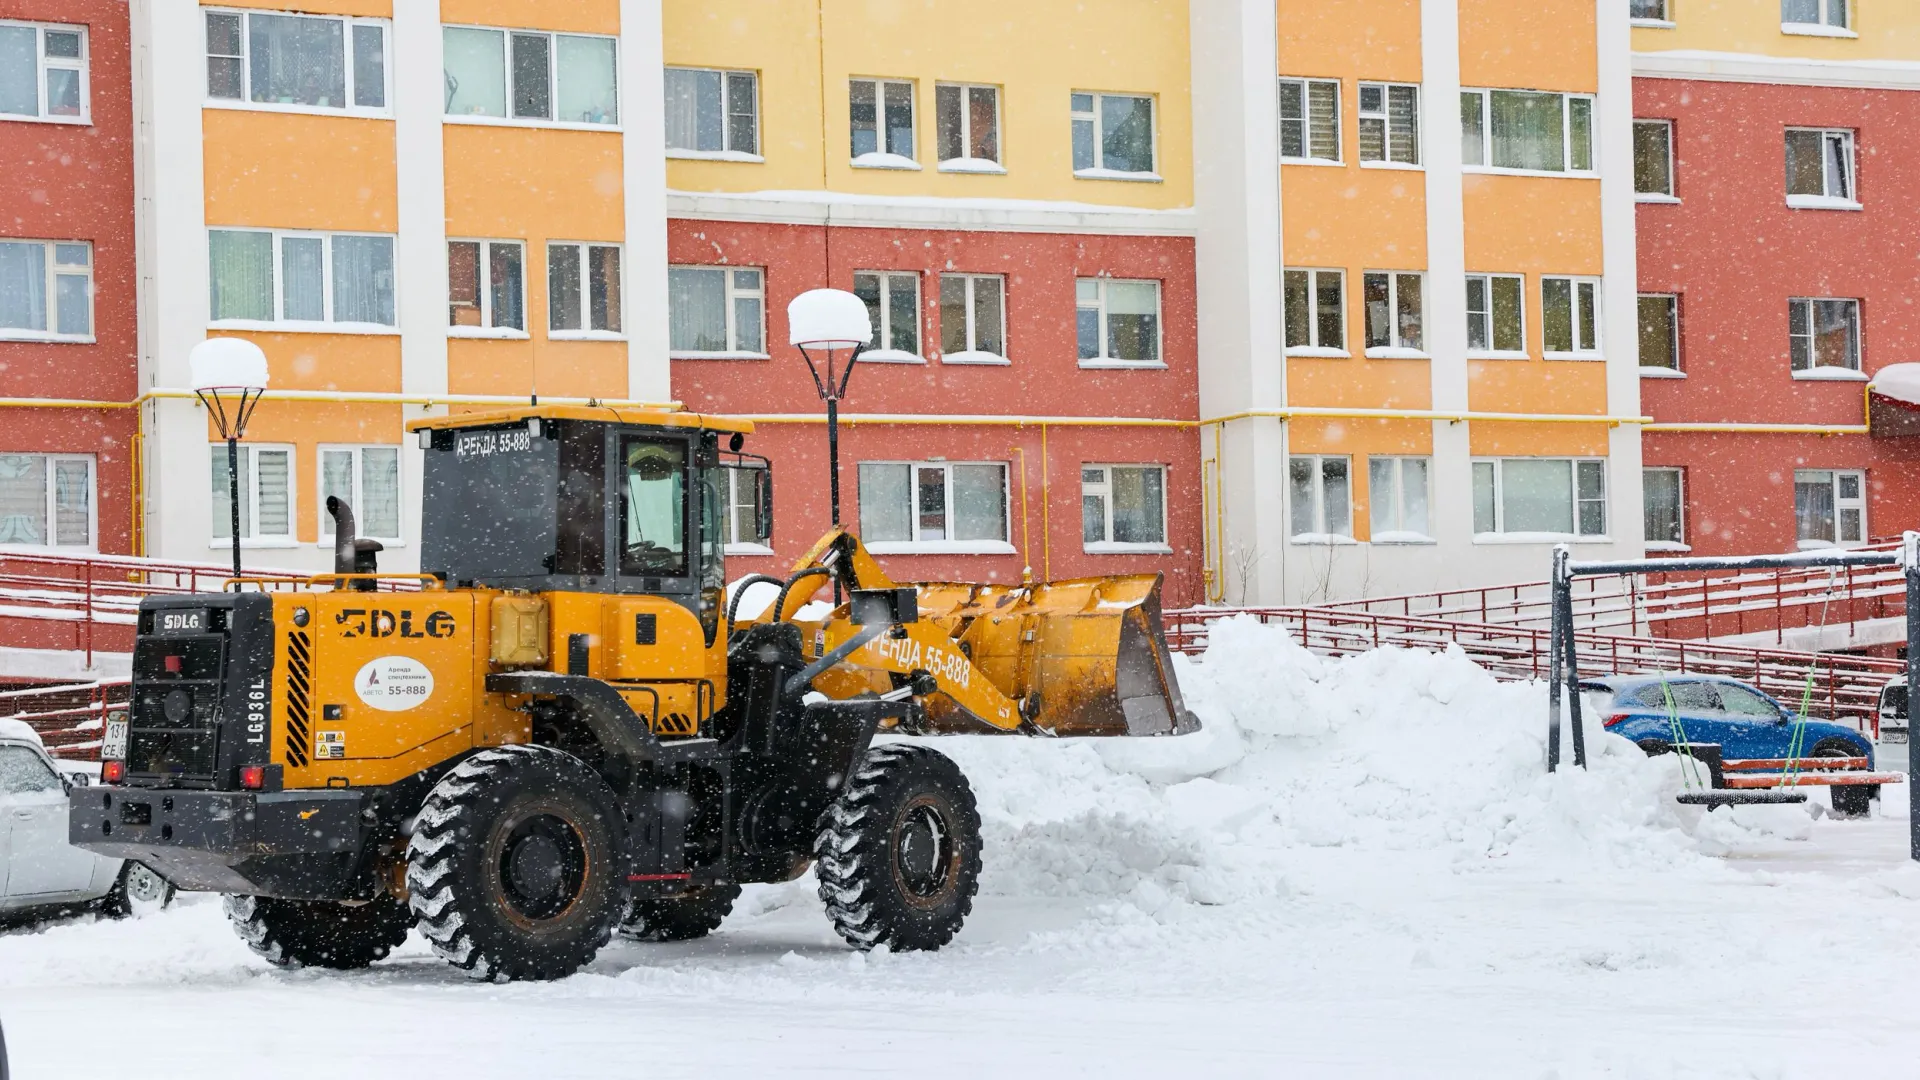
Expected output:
(1080, 657)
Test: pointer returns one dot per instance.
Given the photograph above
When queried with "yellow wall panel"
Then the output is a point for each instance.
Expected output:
(532, 183)
(1537, 386)
(346, 362)
(294, 171)
(581, 16)
(1358, 384)
(1335, 435)
(1536, 45)
(375, 9)
(1368, 39)
(1533, 224)
(596, 369)
(1888, 31)
(1505, 439)
(1373, 219)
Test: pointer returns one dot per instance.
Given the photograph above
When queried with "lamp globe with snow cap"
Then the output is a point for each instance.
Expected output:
(822, 320)
(229, 377)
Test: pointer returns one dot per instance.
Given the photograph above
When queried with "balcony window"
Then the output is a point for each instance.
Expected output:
(43, 72)
(302, 62)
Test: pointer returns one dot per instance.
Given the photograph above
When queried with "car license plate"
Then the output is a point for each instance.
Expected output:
(114, 746)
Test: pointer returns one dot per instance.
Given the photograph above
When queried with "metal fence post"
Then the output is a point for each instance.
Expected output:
(1910, 562)
(1560, 623)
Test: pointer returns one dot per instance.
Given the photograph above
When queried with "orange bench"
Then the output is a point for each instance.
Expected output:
(1764, 780)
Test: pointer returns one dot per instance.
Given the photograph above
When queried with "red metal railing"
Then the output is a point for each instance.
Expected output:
(68, 718)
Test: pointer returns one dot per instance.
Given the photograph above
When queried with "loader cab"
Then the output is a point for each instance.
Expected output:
(599, 500)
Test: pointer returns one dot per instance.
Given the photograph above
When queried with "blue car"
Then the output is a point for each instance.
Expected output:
(1712, 709)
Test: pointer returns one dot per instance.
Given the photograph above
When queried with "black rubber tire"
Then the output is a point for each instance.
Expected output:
(1849, 800)
(689, 915)
(319, 933)
(865, 851)
(138, 890)
(471, 827)
(1655, 747)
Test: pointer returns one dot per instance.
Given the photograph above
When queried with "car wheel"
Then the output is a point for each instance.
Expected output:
(137, 892)
(1849, 800)
(1655, 747)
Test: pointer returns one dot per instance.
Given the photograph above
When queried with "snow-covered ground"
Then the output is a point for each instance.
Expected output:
(1357, 869)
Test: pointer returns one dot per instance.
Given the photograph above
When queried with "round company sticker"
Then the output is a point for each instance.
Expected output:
(394, 683)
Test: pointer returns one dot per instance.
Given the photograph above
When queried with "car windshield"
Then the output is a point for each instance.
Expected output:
(22, 771)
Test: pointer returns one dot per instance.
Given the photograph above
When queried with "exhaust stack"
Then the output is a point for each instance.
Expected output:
(351, 555)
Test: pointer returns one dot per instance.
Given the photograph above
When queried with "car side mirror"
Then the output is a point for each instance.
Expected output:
(763, 520)
(76, 780)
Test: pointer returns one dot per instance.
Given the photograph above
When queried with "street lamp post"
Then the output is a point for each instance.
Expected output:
(229, 376)
(829, 319)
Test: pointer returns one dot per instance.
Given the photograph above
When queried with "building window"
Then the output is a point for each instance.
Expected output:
(1660, 331)
(716, 311)
(1820, 168)
(1310, 120)
(303, 61)
(486, 282)
(1526, 130)
(1112, 135)
(1397, 499)
(967, 119)
(46, 290)
(1653, 157)
(46, 500)
(973, 326)
(933, 503)
(881, 111)
(583, 289)
(1118, 322)
(739, 524)
(1570, 315)
(1315, 304)
(893, 303)
(1394, 304)
(1389, 123)
(713, 112)
(1665, 493)
(1496, 314)
(1123, 507)
(43, 73)
(531, 75)
(1322, 491)
(266, 492)
(1823, 335)
(1830, 507)
(1547, 497)
(1648, 10)
(1823, 13)
(257, 275)
(366, 478)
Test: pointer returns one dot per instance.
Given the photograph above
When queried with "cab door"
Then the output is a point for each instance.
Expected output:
(41, 864)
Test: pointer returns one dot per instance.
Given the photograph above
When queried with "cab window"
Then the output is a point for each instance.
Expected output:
(1741, 701)
(653, 507)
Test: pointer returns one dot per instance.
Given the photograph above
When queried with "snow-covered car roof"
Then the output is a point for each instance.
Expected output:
(18, 729)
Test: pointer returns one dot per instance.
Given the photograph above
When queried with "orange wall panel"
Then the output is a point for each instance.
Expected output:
(582, 16)
(1373, 39)
(1535, 224)
(1537, 386)
(596, 369)
(534, 183)
(366, 363)
(294, 171)
(1358, 384)
(1339, 435)
(1535, 45)
(1503, 439)
(1372, 219)
(373, 9)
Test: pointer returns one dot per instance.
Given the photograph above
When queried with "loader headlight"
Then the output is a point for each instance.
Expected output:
(300, 616)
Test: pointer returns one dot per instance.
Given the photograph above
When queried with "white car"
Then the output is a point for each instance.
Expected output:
(38, 868)
(1893, 710)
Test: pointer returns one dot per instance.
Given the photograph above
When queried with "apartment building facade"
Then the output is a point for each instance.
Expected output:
(67, 266)
(1774, 168)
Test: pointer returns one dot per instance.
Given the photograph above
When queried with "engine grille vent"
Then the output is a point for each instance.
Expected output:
(299, 694)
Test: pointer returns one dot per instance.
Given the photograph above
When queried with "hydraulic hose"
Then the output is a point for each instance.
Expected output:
(780, 604)
(740, 590)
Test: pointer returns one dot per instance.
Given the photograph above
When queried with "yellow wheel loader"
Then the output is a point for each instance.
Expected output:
(564, 731)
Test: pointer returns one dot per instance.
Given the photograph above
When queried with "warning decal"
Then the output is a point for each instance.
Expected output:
(393, 683)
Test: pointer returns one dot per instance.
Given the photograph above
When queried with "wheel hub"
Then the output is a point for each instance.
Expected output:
(923, 846)
(143, 885)
(542, 866)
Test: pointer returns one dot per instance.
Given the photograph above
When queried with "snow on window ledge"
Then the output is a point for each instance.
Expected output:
(1112, 547)
(519, 122)
(1122, 365)
(1497, 354)
(290, 327)
(1318, 351)
(1821, 202)
(1395, 536)
(487, 333)
(1383, 352)
(1324, 163)
(1825, 545)
(687, 354)
(1653, 24)
(1117, 174)
(1656, 197)
(1585, 355)
(249, 543)
(748, 549)
(585, 335)
(973, 165)
(878, 160)
(46, 337)
(1647, 372)
(716, 155)
(1817, 30)
(975, 357)
(890, 356)
(1673, 547)
(1538, 538)
(1499, 170)
(1401, 166)
(325, 543)
(941, 547)
(1324, 540)
(1831, 374)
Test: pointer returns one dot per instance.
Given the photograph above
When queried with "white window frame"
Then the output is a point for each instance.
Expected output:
(1840, 505)
(1315, 346)
(49, 287)
(918, 546)
(970, 164)
(1579, 289)
(321, 326)
(733, 506)
(1491, 352)
(727, 152)
(1322, 533)
(973, 355)
(1663, 371)
(245, 101)
(43, 63)
(1100, 304)
(1680, 511)
(1305, 121)
(1397, 348)
(1827, 200)
(1566, 128)
(553, 82)
(486, 329)
(587, 333)
(1670, 195)
(48, 466)
(1102, 489)
(1854, 371)
(882, 158)
(1500, 535)
(1836, 20)
(249, 535)
(883, 326)
(356, 499)
(1384, 116)
(1099, 170)
(1395, 502)
(733, 291)
(1662, 21)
